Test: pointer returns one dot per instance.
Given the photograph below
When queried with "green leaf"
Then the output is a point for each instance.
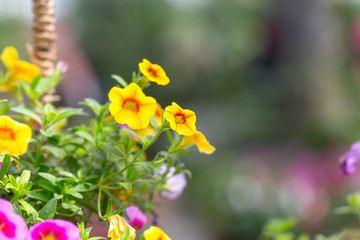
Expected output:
(39, 195)
(93, 104)
(149, 168)
(49, 108)
(57, 152)
(17, 208)
(5, 166)
(132, 132)
(115, 200)
(120, 80)
(26, 207)
(24, 178)
(45, 184)
(35, 82)
(278, 226)
(49, 210)
(48, 176)
(126, 185)
(100, 154)
(86, 136)
(65, 113)
(125, 234)
(47, 133)
(27, 112)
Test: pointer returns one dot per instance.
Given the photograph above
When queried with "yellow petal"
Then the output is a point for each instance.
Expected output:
(134, 91)
(117, 227)
(14, 136)
(116, 95)
(185, 129)
(201, 142)
(9, 56)
(155, 233)
(23, 71)
(190, 117)
(147, 106)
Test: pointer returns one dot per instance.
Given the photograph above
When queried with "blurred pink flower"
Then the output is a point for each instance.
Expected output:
(54, 229)
(349, 160)
(12, 226)
(174, 185)
(137, 219)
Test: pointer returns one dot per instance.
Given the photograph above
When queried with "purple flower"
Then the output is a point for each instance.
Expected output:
(174, 185)
(12, 226)
(137, 218)
(55, 229)
(349, 160)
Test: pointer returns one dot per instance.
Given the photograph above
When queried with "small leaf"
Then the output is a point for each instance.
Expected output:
(27, 112)
(49, 210)
(39, 195)
(93, 104)
(120, 80)
(5, 166)
(125, 234)
(27, 207)
(48, 176)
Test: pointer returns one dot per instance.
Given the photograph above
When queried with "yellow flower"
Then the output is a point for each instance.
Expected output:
(182, 121)
(14, 136)
(153, 72)
(18, 70)
(155, 233)
(201, 142)
(117, 227)
(130, 105)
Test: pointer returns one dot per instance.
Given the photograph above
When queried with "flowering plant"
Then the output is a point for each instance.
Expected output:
(54, 174)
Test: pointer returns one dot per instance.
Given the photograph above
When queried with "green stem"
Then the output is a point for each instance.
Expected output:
(136, 156)
(99, 204)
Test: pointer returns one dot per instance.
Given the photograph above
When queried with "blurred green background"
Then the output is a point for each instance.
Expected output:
(275, 85)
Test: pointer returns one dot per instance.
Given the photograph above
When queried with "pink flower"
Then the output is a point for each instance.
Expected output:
(137, 218)
(175, 184)
(349, 160)
(12, 226)
(55, 229)
(62, 66)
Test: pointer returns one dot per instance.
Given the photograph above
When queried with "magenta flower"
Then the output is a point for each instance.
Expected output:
(175, 184)
(137, 218)
(12, 226)
(349, 160)
(55, 229)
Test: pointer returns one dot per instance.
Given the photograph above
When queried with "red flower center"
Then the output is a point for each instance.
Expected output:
(6, 134)
(131, 104)
(179, 118)
(152, 72)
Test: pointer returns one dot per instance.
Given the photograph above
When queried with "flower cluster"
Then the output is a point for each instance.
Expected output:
(50, 171)
(13, 227)
(130, 106)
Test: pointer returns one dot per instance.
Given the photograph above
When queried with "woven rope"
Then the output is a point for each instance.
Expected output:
(43, 52)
